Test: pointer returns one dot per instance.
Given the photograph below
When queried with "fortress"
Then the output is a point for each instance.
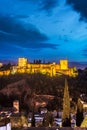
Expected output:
(51, 69)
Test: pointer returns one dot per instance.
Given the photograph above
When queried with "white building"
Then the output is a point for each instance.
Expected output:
(5, 124)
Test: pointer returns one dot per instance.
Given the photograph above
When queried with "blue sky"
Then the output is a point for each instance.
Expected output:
(43, 29)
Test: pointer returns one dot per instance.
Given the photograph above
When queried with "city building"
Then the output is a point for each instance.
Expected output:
(16, 106)
(51, 69)
(5, 124)
(1, 64)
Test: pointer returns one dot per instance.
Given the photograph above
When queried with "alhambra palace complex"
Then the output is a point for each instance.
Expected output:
(51, 69)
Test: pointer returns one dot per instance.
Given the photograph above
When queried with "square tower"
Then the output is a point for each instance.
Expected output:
(63, 64)
(22, 62)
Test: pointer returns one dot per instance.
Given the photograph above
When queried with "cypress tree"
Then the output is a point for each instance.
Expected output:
(84, 123)
(79, 114)
(33, 119)
(66, 107)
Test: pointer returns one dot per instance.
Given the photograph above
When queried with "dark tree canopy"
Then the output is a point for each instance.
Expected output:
(79, 114)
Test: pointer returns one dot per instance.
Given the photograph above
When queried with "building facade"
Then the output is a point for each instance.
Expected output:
(16, 106)
(51, 69)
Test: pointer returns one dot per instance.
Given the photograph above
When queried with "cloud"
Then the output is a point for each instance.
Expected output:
(85, 52)
(17, 29)
(79, 6)
(8, 49)
(20, 16)
(45, 5)
(10, 52)
(48, 5)
(43, 45)
(24, 35)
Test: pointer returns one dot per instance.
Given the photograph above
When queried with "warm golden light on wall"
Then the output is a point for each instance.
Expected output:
(51, 69)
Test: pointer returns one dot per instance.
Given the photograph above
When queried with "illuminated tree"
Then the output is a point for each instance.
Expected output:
(24, 121)
(48, 120)
(84, 123)
(66, 107)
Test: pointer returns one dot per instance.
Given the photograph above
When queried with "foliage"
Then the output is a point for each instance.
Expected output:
(79, 105)
(41, 84)
(15, 121)
(66, 122)
(54, 104)
(24, 121)
(5, 67)
(84, 123)
(34, 83)
(33, 118)
(18, 121)
(79, 114)
(48, 120)
(66, 106)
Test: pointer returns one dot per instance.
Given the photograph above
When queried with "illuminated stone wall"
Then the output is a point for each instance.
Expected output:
(51, 69)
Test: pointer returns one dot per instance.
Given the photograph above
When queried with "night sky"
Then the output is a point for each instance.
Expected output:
(43, 29)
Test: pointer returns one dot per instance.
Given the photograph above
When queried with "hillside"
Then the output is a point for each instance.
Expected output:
(23, 92)
(40, 89)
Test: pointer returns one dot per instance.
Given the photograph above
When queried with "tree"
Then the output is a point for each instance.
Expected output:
(79, 114)
(48, 120)
(33, 118)
(84, 123)
(23, 120)
(66, 107)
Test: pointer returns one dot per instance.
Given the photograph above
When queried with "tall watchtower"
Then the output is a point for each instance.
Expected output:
(22, 62)
(64, 64)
